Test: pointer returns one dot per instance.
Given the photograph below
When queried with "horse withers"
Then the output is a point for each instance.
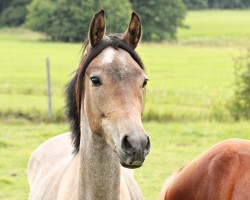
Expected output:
(105, 102)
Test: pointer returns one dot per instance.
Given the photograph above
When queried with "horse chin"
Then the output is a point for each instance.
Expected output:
(128, 163)
(130, 166)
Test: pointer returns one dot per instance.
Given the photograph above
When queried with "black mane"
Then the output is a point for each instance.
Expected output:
(75, 89)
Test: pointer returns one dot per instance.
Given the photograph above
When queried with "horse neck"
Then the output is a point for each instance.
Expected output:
(99, 167)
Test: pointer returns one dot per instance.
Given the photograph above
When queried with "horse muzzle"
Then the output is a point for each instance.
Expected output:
(133, 150)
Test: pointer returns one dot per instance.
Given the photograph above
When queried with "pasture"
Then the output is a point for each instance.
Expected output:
(173, 144)
(186, 82)
(190, 85)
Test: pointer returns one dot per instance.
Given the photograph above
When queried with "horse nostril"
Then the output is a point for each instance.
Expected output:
(126, 145)
(148, 144)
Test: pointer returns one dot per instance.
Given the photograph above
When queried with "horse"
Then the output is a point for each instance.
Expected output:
(221, 173)
(104, 106)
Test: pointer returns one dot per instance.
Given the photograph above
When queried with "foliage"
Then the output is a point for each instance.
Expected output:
(13, 12)
(4, 4)
(117, 14)
(229, 4)
(221, 4)
(160, 18)
(69, 20)
(196, 4)
(240, 104)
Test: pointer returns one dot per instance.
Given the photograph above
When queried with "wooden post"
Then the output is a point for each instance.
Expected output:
(48, 89)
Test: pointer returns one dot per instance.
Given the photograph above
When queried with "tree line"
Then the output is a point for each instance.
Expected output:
(68, 20)
(217, 4)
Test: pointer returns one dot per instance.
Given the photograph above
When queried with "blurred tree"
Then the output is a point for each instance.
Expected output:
(160, 18)
(196, 4)
(239, 105)
(13, 12)
(220, 4)
(69, 20)
(117, 14)
(4, 4)
(229, 4)
(40, 15)
(246, 3)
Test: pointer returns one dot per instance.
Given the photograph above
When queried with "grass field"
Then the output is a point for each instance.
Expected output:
(216, 27)
(185, 81)
(190, 84)
(173, 145)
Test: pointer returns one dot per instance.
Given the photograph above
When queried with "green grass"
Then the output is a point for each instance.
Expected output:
(190, 84)
(21, 34)
(217, 27)
(173, 145)
(23, 76)
(17, 141)
(185, 81)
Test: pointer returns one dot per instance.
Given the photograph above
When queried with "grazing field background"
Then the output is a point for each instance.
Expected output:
(191, 83)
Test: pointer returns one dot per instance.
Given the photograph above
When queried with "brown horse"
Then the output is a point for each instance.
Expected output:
(105, 102)
(221, 173)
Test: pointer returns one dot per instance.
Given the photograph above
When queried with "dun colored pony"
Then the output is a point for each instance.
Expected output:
(105, 102)
(221, 173)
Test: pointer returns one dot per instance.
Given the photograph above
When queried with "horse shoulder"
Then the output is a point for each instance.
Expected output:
(68, 187)
(228, 164)
(241, 189)
(213, 174)
(129, 189)
(47, 165)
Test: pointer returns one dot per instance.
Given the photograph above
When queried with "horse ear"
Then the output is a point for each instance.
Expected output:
(133, 33)
(97, 28)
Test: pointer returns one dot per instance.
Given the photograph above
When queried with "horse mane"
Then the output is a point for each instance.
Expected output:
(75, 88)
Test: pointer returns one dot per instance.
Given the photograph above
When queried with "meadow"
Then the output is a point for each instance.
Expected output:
(191, 82)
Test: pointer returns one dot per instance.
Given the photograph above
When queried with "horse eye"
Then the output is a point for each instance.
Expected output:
(145, 83)
(96, 81)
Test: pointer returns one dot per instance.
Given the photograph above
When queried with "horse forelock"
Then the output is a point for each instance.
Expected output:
(75, 88)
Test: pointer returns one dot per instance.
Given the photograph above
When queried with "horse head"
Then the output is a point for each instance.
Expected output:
(108, 90)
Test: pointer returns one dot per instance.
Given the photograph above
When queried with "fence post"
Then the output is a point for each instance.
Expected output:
(48, 89)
